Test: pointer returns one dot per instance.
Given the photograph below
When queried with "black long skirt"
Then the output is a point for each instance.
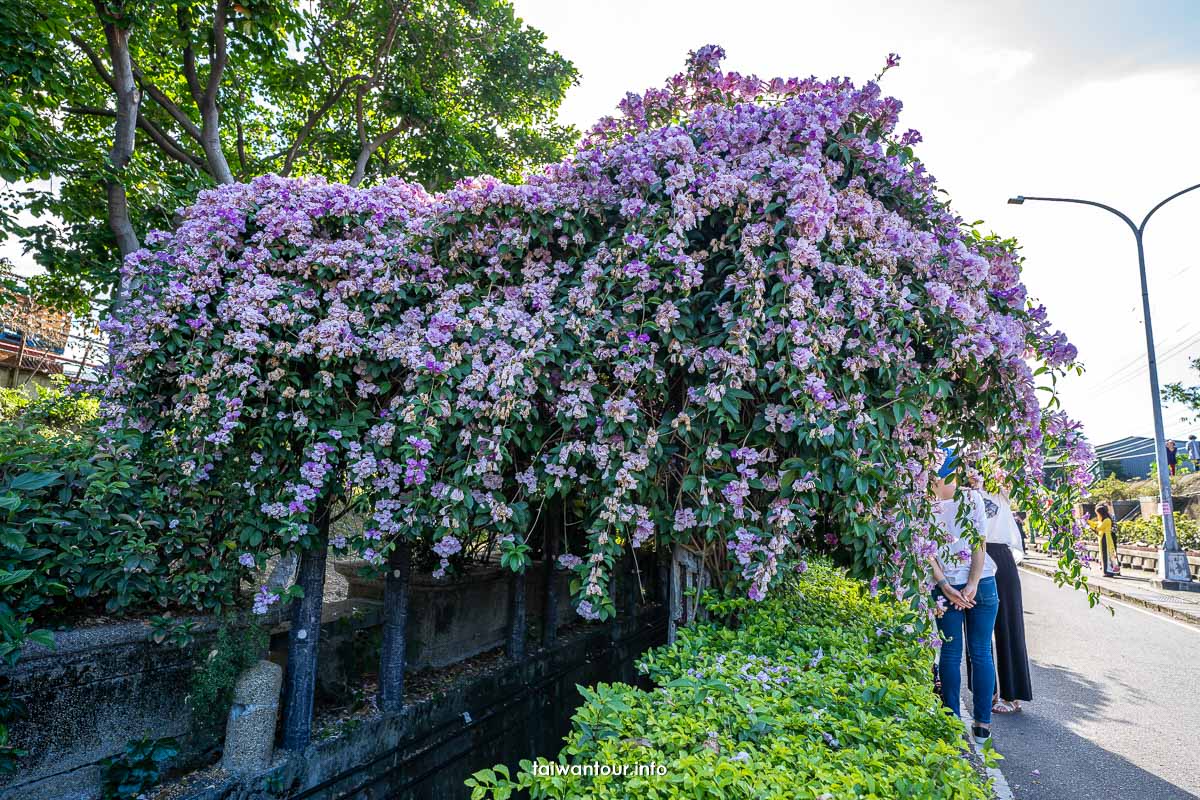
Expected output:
(1012, 661)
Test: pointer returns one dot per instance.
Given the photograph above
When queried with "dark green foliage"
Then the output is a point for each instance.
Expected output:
(236, 648)
(355, 91)
(89, 527)
(137, 769)
(86, 530)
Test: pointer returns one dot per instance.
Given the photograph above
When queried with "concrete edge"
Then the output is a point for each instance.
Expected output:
(1149, 605)
(1000, 788)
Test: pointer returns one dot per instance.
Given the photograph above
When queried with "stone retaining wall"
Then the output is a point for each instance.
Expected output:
(106, 685)
(514, 712)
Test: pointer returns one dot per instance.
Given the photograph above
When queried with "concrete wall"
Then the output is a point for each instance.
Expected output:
(514, 712)
(450, 621)
(106, 685)
(97, 689)
(100, 688)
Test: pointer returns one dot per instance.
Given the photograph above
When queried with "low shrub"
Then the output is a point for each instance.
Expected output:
(92, 530)
(138, 768)
(49, 407)
(819, 691)
(1149, 532)
(88, 530)
(1111, 488)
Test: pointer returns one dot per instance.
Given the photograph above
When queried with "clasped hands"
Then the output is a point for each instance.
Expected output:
(962, 599)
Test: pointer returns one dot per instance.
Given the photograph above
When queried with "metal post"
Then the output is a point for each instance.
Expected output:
(16, 376)
(1170, 541)
(392, 659)
(1173, 569)
(517, 624)
(304, 639)
(551, 530)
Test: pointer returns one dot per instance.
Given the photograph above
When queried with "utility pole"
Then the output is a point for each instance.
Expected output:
(1173, 570)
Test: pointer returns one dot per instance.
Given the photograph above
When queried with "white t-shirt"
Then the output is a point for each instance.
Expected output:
(1002, 525)
(956, 556)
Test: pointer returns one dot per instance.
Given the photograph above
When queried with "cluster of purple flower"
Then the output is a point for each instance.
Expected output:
(740, 313)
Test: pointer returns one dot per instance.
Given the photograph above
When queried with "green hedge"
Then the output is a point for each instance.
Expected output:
(1150, 532)
(818, 692)
(87, 529)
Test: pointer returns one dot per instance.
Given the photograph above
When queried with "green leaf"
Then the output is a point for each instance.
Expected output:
(31, 481)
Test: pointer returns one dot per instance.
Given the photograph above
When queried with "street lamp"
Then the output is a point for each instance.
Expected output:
(1173, 571)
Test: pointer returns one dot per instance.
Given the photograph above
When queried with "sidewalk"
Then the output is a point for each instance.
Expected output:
(1132, 587)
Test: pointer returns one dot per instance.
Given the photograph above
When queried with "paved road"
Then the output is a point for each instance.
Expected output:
(1116, 711)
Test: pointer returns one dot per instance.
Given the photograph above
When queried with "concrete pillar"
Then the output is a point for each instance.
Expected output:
(250, 732)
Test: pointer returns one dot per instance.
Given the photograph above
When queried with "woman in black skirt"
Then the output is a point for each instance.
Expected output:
(1012, 662)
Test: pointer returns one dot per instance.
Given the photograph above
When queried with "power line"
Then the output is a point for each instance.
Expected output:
(1139, 367)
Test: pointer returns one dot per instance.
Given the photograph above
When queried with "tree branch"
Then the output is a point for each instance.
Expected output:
(364, 155)
(164, 140)
(128, 100)
(189, 56)
(313, 118)
(210, 114)
(368, 148)
(97, 63)
(220, 54)
(168, 105)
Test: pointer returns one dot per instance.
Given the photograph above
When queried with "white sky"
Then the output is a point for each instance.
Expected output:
(1078, 99)
(1096, 99)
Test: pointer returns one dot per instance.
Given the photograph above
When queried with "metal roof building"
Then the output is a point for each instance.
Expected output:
(1129, 458)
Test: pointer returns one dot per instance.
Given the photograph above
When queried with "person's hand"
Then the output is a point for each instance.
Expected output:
(969, 591)
(956, 599)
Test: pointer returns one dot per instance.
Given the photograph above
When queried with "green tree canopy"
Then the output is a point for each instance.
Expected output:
(115, 114)
(1186, 396)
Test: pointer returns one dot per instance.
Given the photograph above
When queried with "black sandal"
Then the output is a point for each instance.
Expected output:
(981, 733)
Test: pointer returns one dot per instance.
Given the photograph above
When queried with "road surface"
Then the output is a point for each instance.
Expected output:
(1116, 710)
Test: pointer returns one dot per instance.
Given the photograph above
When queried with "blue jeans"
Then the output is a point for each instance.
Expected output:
(979, 620)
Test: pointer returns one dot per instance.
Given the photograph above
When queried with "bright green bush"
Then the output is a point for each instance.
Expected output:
(819, 691)
(1150, 532)
(1111, 488)
(51, 407)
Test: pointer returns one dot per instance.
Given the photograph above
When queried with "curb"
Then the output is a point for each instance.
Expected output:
(1149, 605)
(1000, 787)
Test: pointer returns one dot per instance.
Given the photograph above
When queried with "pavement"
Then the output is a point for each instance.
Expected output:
(1116, 708)
(1132, 587)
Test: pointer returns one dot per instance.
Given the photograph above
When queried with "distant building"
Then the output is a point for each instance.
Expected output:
(1129, 458)
(33, 337)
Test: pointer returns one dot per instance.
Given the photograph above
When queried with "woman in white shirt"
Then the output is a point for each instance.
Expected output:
(1012, 661)
(966, 585)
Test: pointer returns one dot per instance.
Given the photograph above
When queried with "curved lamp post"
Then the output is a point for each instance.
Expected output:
(1173, 571)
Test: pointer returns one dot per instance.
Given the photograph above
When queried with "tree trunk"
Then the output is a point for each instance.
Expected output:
(128, 98)
(552, 529)
(516, 617)
(210, 113)
(210, 140)
(300, 682)
(368, 149)
(395, 628)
